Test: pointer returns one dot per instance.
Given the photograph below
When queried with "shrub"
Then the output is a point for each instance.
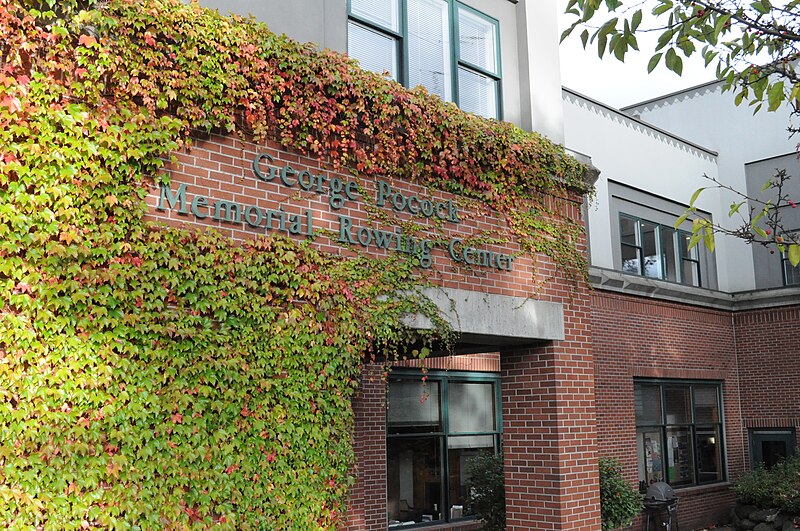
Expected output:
(486, 488)
(778, 487)
(619, 501)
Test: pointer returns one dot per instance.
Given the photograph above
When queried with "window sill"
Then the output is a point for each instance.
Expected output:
(698, 490)
(464, 525)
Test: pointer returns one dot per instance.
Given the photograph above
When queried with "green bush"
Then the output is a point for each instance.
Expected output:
(619, 501)
(778, 487)
(486, 488)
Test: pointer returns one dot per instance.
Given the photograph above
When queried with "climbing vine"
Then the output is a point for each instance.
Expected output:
(158, 378)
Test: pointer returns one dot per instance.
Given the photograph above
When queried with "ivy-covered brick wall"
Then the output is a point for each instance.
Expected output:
(221, 169)
(163, 378)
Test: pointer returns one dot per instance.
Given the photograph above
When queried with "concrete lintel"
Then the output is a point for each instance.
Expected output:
(498, 320)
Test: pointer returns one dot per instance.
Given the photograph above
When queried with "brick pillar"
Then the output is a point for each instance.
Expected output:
(549, 431)
(367, 503)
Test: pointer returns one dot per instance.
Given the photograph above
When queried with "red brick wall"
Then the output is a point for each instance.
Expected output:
(549, 433)
(367, 504)
(640, 337)
(220, 168)
(768, 343)
(558, 491)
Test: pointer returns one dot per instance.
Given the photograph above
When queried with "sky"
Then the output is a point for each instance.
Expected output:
(619, 84)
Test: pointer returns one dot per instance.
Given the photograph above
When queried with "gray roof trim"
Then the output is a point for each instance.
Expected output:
(794, 153)
(619, 282)
(639, 122)
(670, 95)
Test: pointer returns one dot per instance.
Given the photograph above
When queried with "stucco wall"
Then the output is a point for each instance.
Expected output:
(707, 116)
(635, 155)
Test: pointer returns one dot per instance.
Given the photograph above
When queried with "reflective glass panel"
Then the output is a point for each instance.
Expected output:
(669, 253)
(375, 51)
(384, 13)
(477, 93)
(791, 273)
(685, 239)
(413, 407)
(706, 405)
(650, 255)
(459, 459)
(651, 457)
(630, 259)
(690, 272)
(477, 40)
(648, 404)
(429, 47)
(629, 231)
(471, 407)
(678, 405)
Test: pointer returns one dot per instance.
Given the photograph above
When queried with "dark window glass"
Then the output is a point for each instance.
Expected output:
(706, 404)
(709, 454)
(669, 254)
(434, 429)
(414, 478)
(690, 261)
(679, 433)
(680, 457)
(629, 231)
(770, 446)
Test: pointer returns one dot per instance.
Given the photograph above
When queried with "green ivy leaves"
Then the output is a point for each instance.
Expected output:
(156, 378)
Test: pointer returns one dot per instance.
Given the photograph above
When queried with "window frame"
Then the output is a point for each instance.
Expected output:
(680, 258)
(786, 266)
(691, 425)
(454, 52)
(444, 379)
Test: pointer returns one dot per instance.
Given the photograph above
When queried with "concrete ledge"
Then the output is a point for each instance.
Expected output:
(497, 320)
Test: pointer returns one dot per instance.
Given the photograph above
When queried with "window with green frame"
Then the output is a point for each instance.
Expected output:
(679, 432)
(443, 45)
(658, 251)
(433, 429)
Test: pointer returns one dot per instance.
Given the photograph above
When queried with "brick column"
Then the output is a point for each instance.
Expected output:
(367, 503)
(549, 431)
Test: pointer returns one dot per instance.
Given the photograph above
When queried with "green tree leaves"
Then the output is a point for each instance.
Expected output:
(753, 46)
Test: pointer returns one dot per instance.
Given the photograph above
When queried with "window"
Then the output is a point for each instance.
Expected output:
(447, 47)
(679, 436)
(658, 251)
(791, 274)
(769, 447)
(433, 430)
